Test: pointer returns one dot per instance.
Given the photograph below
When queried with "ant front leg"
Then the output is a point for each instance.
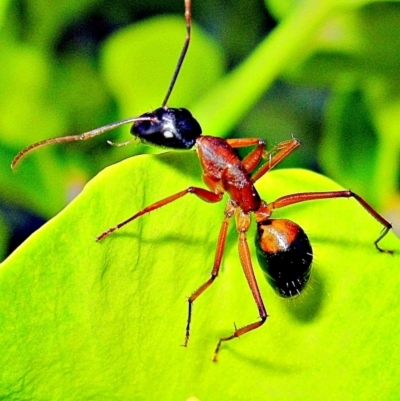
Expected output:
(251, 161)
(275, 156)
(229, 211)
(202, 193)
(309, 196)
(242, 225)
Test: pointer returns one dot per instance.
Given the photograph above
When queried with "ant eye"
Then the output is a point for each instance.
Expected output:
(168, 134)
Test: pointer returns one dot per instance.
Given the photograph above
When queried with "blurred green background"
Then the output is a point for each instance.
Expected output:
(325, 71)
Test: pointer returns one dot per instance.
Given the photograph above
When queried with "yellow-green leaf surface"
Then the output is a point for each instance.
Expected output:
(82, 320)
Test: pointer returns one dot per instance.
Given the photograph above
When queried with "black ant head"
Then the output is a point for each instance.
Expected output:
(170, 128)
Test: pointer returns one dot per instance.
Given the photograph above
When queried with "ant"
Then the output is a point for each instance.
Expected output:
(283, 249)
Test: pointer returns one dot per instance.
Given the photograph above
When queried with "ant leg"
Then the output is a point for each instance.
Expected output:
(202, 193)
(217, 264)
(251, 161)
(309, 196)
(275, 156)
(243, 223)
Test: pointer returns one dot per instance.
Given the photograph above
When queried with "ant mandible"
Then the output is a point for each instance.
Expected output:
(283, 249)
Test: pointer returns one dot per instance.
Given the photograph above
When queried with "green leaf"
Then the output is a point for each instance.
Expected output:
(3, 8)
(84, 320)
(384, 102)
(26, 110)
(349, 127)
(45, 23)
(351, 42)
(353, 51)
(280, 9)
(155, 45)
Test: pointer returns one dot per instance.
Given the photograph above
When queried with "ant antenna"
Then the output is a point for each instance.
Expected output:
(188, 18)
(79, 137)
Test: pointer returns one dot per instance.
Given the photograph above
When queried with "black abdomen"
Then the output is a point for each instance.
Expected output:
(285, 254)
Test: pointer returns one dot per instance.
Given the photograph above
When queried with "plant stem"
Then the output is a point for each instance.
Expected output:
(221, 109)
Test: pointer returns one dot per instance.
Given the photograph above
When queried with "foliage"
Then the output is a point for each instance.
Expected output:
(52, 85)
(88, 320)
